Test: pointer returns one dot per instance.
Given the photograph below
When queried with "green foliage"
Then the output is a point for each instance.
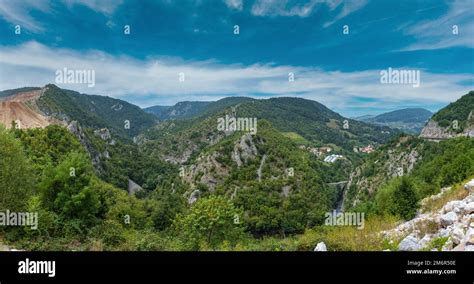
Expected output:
(437, 243)
(16, 179)
(209, 223)
(49, 146)
(65, 190)
(458, 110)
(398, 198)
(180, 110)
(405, 199)
(439, 165)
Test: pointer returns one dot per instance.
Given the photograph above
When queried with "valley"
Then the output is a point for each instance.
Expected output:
(266, 187)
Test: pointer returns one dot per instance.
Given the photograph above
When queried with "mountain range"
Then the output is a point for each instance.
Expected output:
(410, 120)
(283, 161)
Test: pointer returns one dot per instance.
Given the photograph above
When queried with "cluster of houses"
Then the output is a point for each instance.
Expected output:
(367, 149)
(321, 151)
(318, 151)
(332, 158)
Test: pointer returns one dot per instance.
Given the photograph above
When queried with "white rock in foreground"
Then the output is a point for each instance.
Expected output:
(470, 185)
(320, 247)
(448, 219)
(469, 239)
(457, 236)
(409, 243)
(469, 208)
(451, 205)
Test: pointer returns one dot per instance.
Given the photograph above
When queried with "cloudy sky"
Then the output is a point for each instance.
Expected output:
(276, 37)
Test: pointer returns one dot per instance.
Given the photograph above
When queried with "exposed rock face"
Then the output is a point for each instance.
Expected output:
(133, 187)
(209, 171)
(400, 161)
(435, 132)
(76, 129)
(194, 196)
(285, 191)
(206, 170)
(320, 247)
(259, 170)
(454, 221)
(103, 133)
(244, 150)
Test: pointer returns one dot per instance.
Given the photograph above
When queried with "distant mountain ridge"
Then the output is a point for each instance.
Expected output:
(190, 109)
(410, 120)
(180, 110)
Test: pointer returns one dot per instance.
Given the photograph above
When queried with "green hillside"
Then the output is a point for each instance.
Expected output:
(95, 111)
(310, 120)
(458, 110)
(180, 110)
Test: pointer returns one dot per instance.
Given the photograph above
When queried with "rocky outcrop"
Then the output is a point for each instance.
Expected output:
(399, 161)
(244, 150)
(206, 170)
(454, 221)
(76, 129)
(133, 187)
(435, 132)
(193, 197)
(320, 247)
(209, 171)
(103, 133)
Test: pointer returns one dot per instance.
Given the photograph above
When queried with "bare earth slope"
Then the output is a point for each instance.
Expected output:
(22, 109)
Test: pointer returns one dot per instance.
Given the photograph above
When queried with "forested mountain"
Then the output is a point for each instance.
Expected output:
(411, 120)
(178, 111)
(312, 122)
(95, 111)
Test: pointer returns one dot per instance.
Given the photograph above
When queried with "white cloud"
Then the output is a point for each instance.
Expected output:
(18, 13)
(156, 80)
(347, 8)
(107, 7)
(438, 33)
(286, 8)
(282, 8)
(235, 4)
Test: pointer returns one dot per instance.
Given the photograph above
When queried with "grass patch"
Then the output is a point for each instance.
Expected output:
(295, 137)
(437, 243)
(457, 192)
(349, 238)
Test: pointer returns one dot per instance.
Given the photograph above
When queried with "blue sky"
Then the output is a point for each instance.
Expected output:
(275, 38)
